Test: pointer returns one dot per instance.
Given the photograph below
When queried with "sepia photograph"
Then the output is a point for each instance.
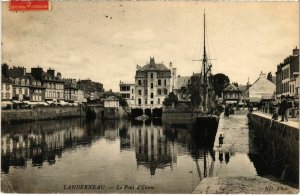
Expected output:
(149, 97)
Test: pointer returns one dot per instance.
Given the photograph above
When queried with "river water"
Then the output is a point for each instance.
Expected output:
(110, 157)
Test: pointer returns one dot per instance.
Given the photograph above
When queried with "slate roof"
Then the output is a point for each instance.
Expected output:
(154, 67)
(231, 87)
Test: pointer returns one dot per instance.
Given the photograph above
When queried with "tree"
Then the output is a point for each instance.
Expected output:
(122, 101)
(269, 77)
(170, 100)
(220, 81)
(235, 84)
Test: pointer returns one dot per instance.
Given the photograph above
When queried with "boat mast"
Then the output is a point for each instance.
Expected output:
(204, 61)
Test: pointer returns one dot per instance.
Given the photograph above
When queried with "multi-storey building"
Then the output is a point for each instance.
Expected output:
(21, 88)
(37, 90)
(127, 91)
(231, 95)
(21, 83)
(153, 82)
(54, 84)
(71, 90)
(6, 89)
(286, 73)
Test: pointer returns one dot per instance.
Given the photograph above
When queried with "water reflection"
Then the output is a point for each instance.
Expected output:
(156, 145)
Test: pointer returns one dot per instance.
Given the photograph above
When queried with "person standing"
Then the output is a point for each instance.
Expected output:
(284, 109)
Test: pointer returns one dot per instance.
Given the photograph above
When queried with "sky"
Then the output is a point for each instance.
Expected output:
(104, 41)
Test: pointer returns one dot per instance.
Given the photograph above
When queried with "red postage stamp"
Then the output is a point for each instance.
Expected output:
(29, 5)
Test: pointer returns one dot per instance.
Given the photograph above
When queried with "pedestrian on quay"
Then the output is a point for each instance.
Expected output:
(227, 111)
(221, 138)
(227, 157)
(283, 109)
(251, 107)
(274, 116)
(221, 156)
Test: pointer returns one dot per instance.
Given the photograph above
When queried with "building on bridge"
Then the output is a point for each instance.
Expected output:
(127, 91)
(153, 82)
(231, 95)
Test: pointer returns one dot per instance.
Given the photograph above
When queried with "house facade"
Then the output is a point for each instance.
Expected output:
(6, 89)
(231, 95)
(286, 75)
(54, 85)
(111, 102)
(261, 89)
(153, 82)
(70, 90)
(127, 91)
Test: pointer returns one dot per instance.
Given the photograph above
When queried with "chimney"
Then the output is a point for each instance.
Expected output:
(170, 65)
(58, 75)
(152, 61)
(262, 75)
(296, 51)
(51, 72)
(138, 67)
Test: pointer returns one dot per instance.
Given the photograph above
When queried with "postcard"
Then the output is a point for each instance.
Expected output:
(148, 97)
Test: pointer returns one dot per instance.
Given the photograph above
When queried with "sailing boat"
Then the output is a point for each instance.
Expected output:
(207, 120)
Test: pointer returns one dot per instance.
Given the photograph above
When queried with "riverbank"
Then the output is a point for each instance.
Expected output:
(41, 113)
(242, 185)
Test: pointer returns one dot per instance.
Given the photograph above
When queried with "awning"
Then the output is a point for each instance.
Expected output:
(231, 102)
(5, 103)
(16, 102)
(49, 102)
(42, 103)
(63, 103)
(32, 103)
(254, 99)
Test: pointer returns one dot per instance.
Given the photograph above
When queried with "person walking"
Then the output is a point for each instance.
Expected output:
(284, 109)
(221, 138)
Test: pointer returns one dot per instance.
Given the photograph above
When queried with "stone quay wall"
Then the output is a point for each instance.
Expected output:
(41, 113)
(177, 117)
(114, 113)
(279, 144)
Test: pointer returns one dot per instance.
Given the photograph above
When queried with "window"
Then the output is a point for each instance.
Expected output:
(131, 90)
(158, 101)
(159, 92)
(151, 85)
(20, 91)
(50, 94)
(145, 101)
(26, 92)
(139, 82)
(165, 81)
(139, 92)
(151, 75)
(159, 82)
(139, 101)
(7, 95)
(7, 87)
(165, 91)
(151, 102)
(145, 92)
(151, 95)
